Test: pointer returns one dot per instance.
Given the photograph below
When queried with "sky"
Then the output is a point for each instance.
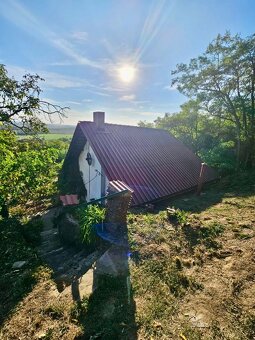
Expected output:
(113, 55)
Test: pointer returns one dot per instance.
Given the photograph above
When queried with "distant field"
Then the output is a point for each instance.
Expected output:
(49, 136)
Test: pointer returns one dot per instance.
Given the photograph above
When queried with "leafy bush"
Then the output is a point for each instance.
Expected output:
(182, 216)
(222, 157)
(177, 215)
(28, 169)
(88, 217)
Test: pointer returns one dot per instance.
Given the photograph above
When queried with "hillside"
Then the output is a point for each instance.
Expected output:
(61, 128)
(193, 278)
(54, 129)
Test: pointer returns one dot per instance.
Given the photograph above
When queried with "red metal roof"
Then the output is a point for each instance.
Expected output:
(150, 161)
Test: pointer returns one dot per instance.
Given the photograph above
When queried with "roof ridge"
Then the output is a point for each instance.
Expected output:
(124, 125)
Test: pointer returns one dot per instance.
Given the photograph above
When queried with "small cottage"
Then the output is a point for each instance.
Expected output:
(150, 161)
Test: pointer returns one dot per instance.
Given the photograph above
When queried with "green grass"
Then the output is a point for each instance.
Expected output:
(49, 136)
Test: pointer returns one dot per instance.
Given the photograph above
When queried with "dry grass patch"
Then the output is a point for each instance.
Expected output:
(196, 279)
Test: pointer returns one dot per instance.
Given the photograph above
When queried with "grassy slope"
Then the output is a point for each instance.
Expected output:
(197, 280)
(191, 280)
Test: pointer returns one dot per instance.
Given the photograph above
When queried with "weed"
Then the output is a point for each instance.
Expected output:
(216, 330)
(243, 236)
(55, 311)
(162, 215)
(177, 215)
(208, 234)
(237, 286)
(170, 273)
(79, 309)
(249, 326)
(213, 230)
(87, 218)
(48, 335)
(190, 333)
(182, 216)
(107, 313)
(178, 263)
(149, 219)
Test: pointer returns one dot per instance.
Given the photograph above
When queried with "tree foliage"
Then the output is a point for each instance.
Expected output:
(28, 169)
(209, 137)
(20, 103)
(222, 80)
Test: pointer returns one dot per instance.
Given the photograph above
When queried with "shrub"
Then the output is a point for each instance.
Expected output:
(87, 218)
(177, 215)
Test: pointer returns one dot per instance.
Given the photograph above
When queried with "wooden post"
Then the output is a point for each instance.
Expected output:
(201, 179)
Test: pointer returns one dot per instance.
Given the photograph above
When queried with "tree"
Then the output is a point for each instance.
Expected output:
(210, 138)
(21, 106)
(27, 169)
(223, 82)
(144, 123)
(184, 124)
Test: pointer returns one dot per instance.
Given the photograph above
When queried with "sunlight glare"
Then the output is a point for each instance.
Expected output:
(127, 73)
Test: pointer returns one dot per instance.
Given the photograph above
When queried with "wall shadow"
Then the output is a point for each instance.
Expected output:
(16, 243)
(109, 312)
(238, 185)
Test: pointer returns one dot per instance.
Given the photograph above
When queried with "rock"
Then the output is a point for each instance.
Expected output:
(207, 218)
(222, 254)
(18, 264)
(41, 335)
(157, 324)
(196, 319)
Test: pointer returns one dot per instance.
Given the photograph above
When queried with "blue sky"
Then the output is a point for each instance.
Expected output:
(78, 47)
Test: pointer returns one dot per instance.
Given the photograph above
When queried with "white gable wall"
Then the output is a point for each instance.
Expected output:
(91, 178)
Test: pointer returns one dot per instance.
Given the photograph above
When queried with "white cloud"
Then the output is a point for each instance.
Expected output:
(99, 93)
(20, 16)
(128, 98)
(52, 79)
(87, 100)
(147, 113)
(58, 80)
(72, 102)
(61, 63)
(80, 36)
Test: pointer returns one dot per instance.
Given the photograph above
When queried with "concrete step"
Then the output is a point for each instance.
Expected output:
(81, 267)
(71, 267)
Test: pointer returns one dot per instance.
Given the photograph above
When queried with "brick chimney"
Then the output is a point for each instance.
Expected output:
(98, 119)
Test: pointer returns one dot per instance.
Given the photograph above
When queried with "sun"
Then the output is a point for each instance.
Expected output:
(127, 73)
